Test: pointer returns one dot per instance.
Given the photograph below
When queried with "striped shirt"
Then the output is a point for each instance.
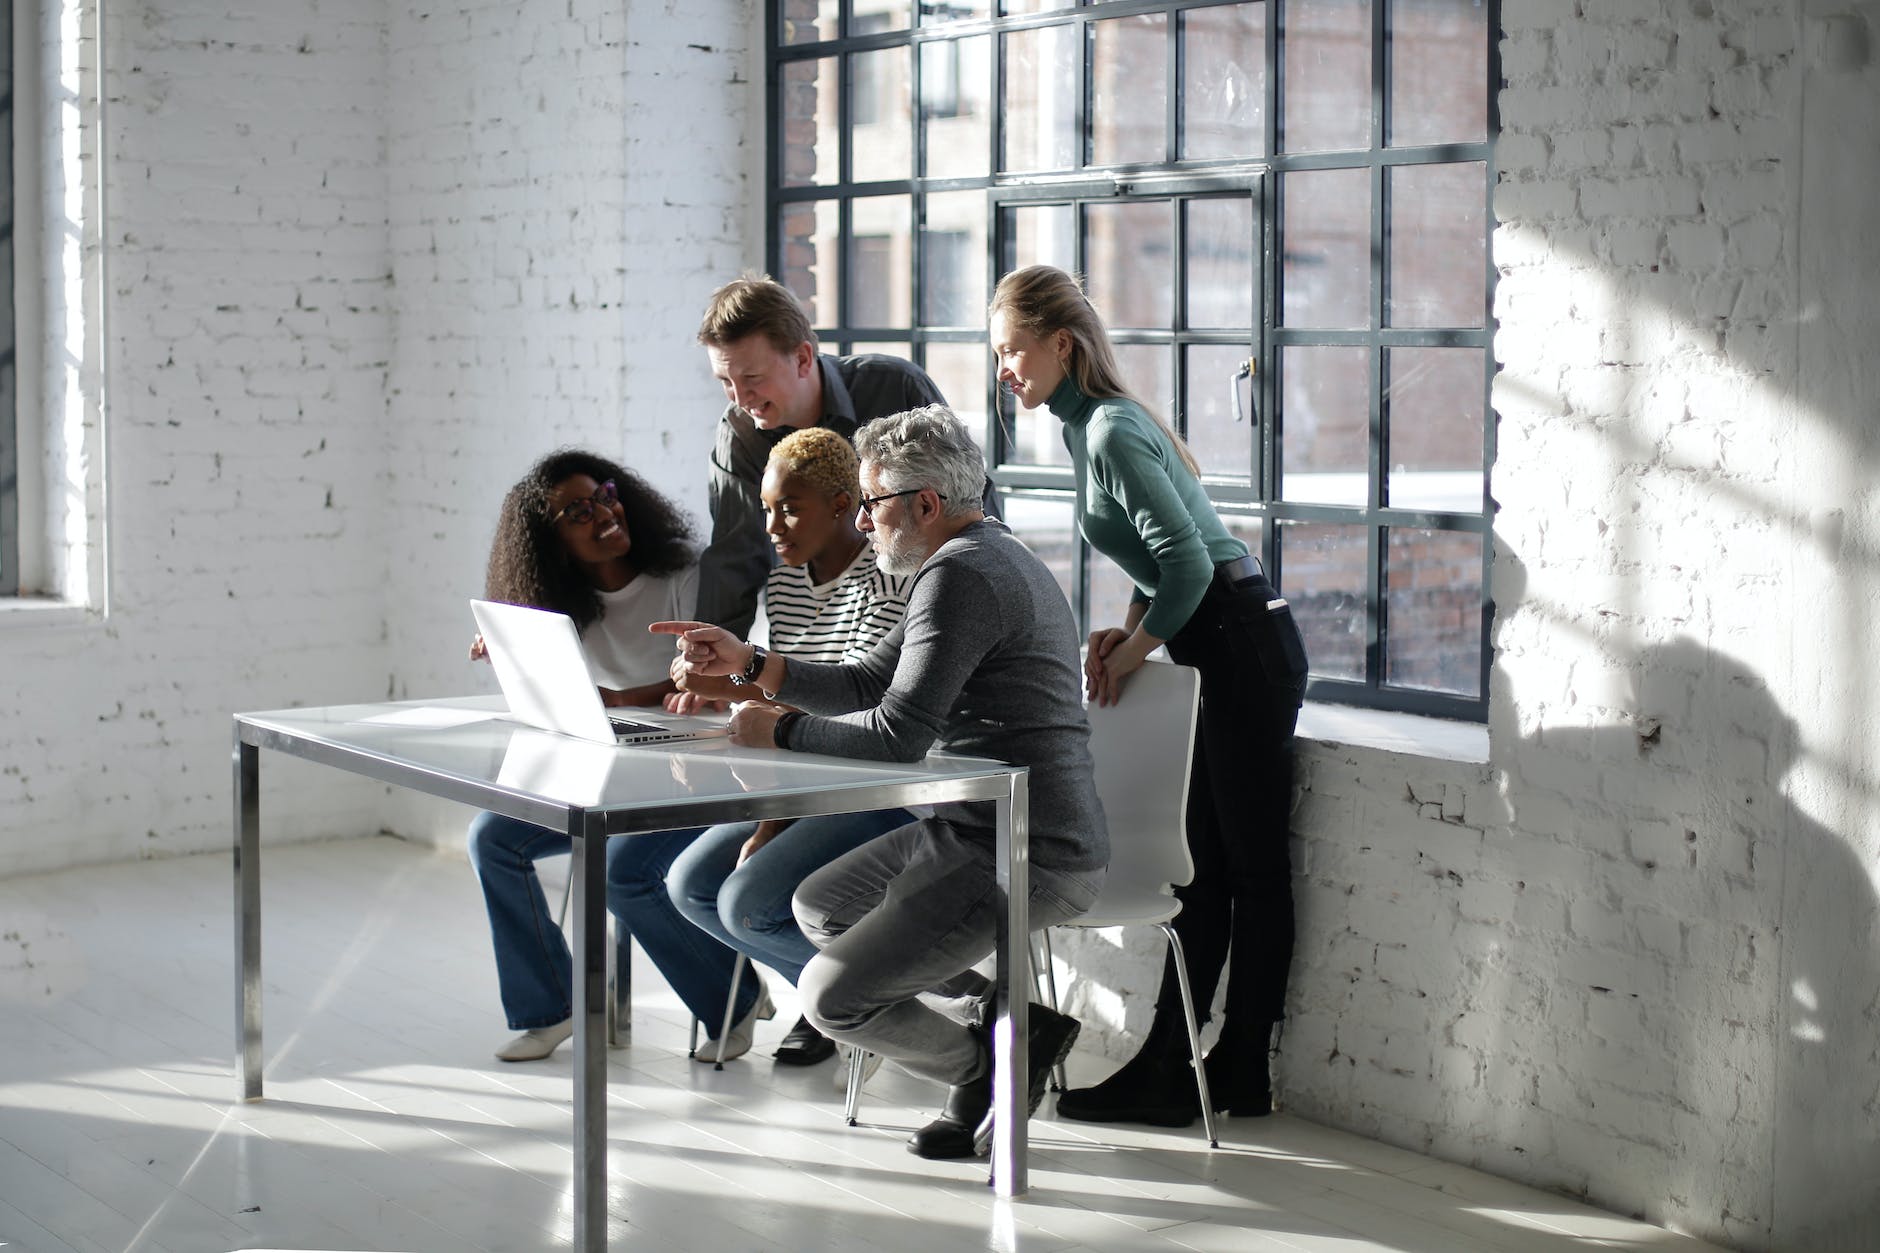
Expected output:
(838, 621)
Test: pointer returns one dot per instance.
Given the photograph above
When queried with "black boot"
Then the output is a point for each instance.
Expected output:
(1239, 1082)
(955, 1133)
(1156, 1086)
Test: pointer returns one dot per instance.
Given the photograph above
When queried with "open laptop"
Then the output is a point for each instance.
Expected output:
(544, 677)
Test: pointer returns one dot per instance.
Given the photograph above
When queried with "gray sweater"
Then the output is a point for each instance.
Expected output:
(985, 663)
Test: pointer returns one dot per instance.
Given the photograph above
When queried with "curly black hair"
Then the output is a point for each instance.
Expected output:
(529, 565)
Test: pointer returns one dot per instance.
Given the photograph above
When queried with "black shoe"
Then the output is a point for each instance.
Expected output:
(804, 1046)
(1160, 1095)
(956, 1132)
(1048, 1042)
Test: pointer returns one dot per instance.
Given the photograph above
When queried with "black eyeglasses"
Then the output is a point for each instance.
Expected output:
(869, 502)
(580, 512)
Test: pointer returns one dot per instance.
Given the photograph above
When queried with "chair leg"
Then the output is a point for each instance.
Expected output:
(731, 1009)
(857, 1059)
(1047, 972)
(1194, 1033)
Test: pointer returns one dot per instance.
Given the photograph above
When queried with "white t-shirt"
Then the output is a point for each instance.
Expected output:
(840, 620)
(621, 652)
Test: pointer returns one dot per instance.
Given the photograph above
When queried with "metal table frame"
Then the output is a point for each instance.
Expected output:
(951, 779)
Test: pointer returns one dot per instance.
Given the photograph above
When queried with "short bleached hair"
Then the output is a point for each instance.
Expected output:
(821, 458)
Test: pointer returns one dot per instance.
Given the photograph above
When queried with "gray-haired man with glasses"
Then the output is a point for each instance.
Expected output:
(984, 663)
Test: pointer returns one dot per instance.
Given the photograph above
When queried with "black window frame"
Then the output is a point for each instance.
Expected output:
(9, 357)
(1264, 178)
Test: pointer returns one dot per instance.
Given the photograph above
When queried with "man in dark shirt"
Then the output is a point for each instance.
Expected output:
(763, 353)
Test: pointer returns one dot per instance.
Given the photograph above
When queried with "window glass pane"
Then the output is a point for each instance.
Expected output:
(1016, 8)
(807, 130)
(953, 260)
(880, 261)
(1110, 591)
(1219, 409)
(881, 107)
(889, 348)
(1126, 261)
(939, 12)
(1325, 277)
(811, 257)
(1435, 409)
(1325, 439)
(1039, 235)
(1129, 89)
(807, 21)
(1147, 371)
(1220, 264)
(955, 106)
(1326, 79)
(1041, 99)
(1434, 598)
(1438, 245)
(1322, 577)
(871, 17)
(1224, 81)
(1438, 71)
(962, 373)
(1047, 525)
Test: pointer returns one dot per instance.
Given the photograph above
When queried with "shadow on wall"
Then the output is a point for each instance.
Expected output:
(1719, 990)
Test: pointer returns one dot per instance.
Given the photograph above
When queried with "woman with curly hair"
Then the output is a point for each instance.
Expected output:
(583, 536)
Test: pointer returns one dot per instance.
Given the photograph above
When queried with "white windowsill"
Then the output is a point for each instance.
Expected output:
(1410, 734)
(33, 613)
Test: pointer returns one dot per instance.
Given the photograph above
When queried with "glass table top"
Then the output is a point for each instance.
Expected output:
(471, 739)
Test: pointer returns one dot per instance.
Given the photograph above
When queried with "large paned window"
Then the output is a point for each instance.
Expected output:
(1281, 209)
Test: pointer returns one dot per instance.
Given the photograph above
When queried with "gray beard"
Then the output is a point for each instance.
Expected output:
(893, 559)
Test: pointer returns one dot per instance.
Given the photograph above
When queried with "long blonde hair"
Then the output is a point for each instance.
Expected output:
(1042, 300)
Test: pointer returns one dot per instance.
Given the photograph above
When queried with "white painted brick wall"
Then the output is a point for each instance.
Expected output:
(247, 332)
(368, 261)
(558, 219)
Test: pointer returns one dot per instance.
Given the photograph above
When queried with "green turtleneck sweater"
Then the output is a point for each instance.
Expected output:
(1139, 505)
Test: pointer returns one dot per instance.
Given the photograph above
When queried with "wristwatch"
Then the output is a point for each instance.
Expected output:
(755, 667)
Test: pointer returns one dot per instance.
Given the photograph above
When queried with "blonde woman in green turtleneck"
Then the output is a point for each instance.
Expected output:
(1197, 590)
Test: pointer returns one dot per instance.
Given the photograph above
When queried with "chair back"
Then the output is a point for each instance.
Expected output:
(1142, 747)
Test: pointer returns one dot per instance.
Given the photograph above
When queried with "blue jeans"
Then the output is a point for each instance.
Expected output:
(533, 965)
(748, 906)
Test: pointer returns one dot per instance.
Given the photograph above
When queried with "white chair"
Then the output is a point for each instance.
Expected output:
(1142, 747)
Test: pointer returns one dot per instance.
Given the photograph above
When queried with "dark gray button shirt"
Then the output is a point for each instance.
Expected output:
(855, 390)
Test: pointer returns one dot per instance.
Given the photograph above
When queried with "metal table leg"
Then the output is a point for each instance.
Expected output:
(247, 765)
(1010, 1065)
(589, 838)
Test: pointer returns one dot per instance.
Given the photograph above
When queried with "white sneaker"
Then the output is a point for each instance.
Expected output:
(738, 1039)
(536, 1043)
(871, 1062)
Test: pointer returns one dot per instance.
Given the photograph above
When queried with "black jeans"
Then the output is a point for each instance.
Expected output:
(1253, 678)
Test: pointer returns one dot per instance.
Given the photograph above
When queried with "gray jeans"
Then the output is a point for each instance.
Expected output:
(900, 923)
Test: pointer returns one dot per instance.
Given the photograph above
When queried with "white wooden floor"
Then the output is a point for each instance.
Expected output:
(388, 1125)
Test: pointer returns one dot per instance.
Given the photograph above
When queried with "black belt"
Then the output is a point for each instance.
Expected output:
(1231, 574)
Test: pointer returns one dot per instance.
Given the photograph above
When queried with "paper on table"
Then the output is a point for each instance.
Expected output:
(432, 717)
